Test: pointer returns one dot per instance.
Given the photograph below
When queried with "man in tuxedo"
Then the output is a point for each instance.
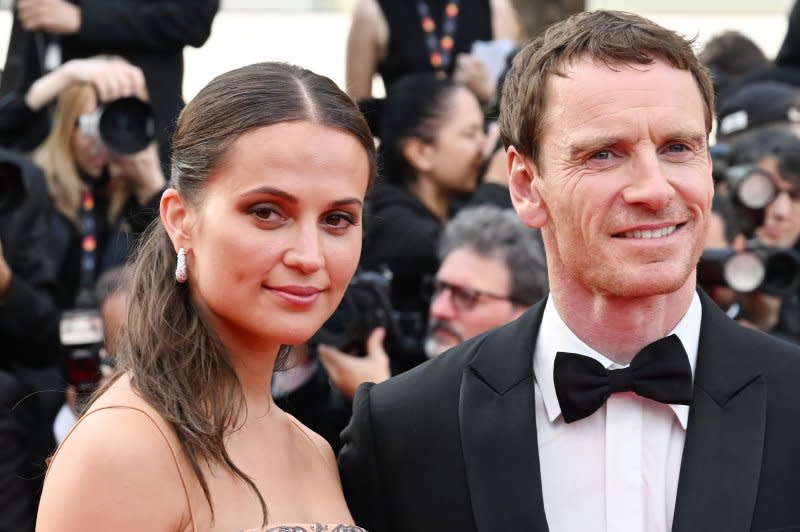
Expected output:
(626, 400)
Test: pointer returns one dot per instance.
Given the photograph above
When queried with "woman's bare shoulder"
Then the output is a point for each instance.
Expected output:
(114, 460)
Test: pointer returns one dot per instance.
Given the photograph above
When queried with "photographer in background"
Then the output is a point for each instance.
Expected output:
(150, 34)
(28, 335)
(774, 229)
(112, 79)
(492, 269)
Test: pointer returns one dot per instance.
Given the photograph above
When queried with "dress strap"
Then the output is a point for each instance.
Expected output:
(166, 440)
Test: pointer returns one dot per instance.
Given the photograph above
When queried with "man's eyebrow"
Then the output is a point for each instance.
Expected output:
(582, 146)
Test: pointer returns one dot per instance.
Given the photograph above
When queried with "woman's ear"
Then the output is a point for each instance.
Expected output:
(177, 218)
(522, 184)
(418, 153)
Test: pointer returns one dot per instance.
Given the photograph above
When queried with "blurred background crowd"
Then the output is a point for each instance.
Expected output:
(89, 94)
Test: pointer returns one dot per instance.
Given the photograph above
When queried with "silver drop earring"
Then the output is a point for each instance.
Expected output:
(180, 269)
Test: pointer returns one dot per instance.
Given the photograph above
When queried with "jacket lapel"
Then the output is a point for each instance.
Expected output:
(498, 429)
(721, 461)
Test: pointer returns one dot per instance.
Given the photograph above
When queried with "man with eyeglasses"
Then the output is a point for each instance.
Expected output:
(492, 269)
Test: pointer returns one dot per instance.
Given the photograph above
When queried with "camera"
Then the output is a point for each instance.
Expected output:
(125, 126)
(767, 269)
(751, 190)
(12, 187)
(366, 304)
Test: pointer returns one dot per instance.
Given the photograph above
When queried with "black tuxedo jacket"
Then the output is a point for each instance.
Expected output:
(451, 444)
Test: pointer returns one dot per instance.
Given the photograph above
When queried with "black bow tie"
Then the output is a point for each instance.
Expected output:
(660, 371)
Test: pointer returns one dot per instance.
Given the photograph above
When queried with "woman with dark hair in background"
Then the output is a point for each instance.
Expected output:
(258, 238)
(431, 155)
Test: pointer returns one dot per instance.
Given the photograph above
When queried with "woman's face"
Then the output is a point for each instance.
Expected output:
(90, 155)
(277, 235)
(457, 148)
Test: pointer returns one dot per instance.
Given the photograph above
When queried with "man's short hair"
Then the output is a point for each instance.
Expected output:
(612, 37)
(497, 233)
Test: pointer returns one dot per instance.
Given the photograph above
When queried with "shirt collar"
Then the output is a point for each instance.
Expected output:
(554, 336)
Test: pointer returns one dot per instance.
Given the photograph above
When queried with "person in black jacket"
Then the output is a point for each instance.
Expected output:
(431, 156)
(149, 33)
(28, 332)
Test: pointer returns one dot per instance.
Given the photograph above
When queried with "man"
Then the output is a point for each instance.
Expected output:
(492, 269)
(606, 118)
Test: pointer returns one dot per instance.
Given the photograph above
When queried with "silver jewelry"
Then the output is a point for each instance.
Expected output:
(180, 269)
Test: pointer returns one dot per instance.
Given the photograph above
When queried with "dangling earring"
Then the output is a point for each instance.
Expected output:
(180, 269)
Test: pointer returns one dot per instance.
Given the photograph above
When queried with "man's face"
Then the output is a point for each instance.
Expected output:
(456, 314)
(781, 225)
(623, 187)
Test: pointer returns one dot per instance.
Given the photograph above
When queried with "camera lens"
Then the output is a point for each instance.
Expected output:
(744, 272)
(127, 126)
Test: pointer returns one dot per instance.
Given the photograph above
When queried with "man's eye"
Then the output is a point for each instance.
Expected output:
(602, 155)
(677, 148)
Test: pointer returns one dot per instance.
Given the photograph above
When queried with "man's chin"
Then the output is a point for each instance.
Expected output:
(434, 347)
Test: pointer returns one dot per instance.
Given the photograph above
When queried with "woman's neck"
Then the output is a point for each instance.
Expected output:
(432, 196)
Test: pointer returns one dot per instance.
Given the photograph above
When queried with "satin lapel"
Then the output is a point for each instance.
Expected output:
(498, 430)
(721, 462)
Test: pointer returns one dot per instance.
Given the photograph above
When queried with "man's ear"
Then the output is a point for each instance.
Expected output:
(522, 184)
(418, 153)
(176, 218)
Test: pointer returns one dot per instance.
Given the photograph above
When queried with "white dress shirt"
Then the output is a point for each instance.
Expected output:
(617, 469)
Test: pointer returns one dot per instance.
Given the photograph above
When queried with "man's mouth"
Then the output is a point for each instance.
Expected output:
(661, 232)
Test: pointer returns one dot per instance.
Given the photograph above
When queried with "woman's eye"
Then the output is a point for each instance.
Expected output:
(339, 220)
(267, 213)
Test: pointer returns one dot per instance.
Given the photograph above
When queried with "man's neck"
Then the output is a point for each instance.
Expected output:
(618, 327)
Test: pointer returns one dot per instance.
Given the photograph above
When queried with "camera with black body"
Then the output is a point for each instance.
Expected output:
(81, 334)
(125, 126)
(366, 304)
(769, 269)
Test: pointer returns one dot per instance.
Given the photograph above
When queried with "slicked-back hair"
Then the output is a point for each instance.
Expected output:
(173, 356)
(614, 38)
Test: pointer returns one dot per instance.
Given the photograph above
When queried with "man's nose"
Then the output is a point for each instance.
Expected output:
(781, 206)
(442, 305)
(649, 183)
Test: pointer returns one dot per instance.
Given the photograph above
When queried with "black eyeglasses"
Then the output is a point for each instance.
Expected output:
(462, 298)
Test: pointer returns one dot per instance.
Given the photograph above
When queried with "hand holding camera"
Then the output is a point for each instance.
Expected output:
(141, 170)
(347, 372)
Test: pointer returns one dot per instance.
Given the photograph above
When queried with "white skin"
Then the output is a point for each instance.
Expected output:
(451, 163)
(450, 326)
(623, 152)
(53, 16)
(276, 239)
(782, 217)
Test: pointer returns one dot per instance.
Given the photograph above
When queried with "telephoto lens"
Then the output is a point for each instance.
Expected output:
(125, 126)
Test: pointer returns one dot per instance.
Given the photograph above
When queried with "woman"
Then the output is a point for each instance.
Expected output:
(431, 155)
(258, 238)
(103, 201)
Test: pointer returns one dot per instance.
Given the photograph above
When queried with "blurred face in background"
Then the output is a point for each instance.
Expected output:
(456, 154)
(471, 297)
(91, 157)
(782, 217)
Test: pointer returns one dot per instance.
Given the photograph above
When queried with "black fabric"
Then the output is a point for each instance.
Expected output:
(406, 52)
(660, 372)
(452, 444)
(28, 313)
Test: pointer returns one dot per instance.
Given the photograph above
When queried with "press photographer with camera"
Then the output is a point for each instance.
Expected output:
(28, 333)
(762, 265)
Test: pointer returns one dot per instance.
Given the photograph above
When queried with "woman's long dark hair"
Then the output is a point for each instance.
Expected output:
(173, 357)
